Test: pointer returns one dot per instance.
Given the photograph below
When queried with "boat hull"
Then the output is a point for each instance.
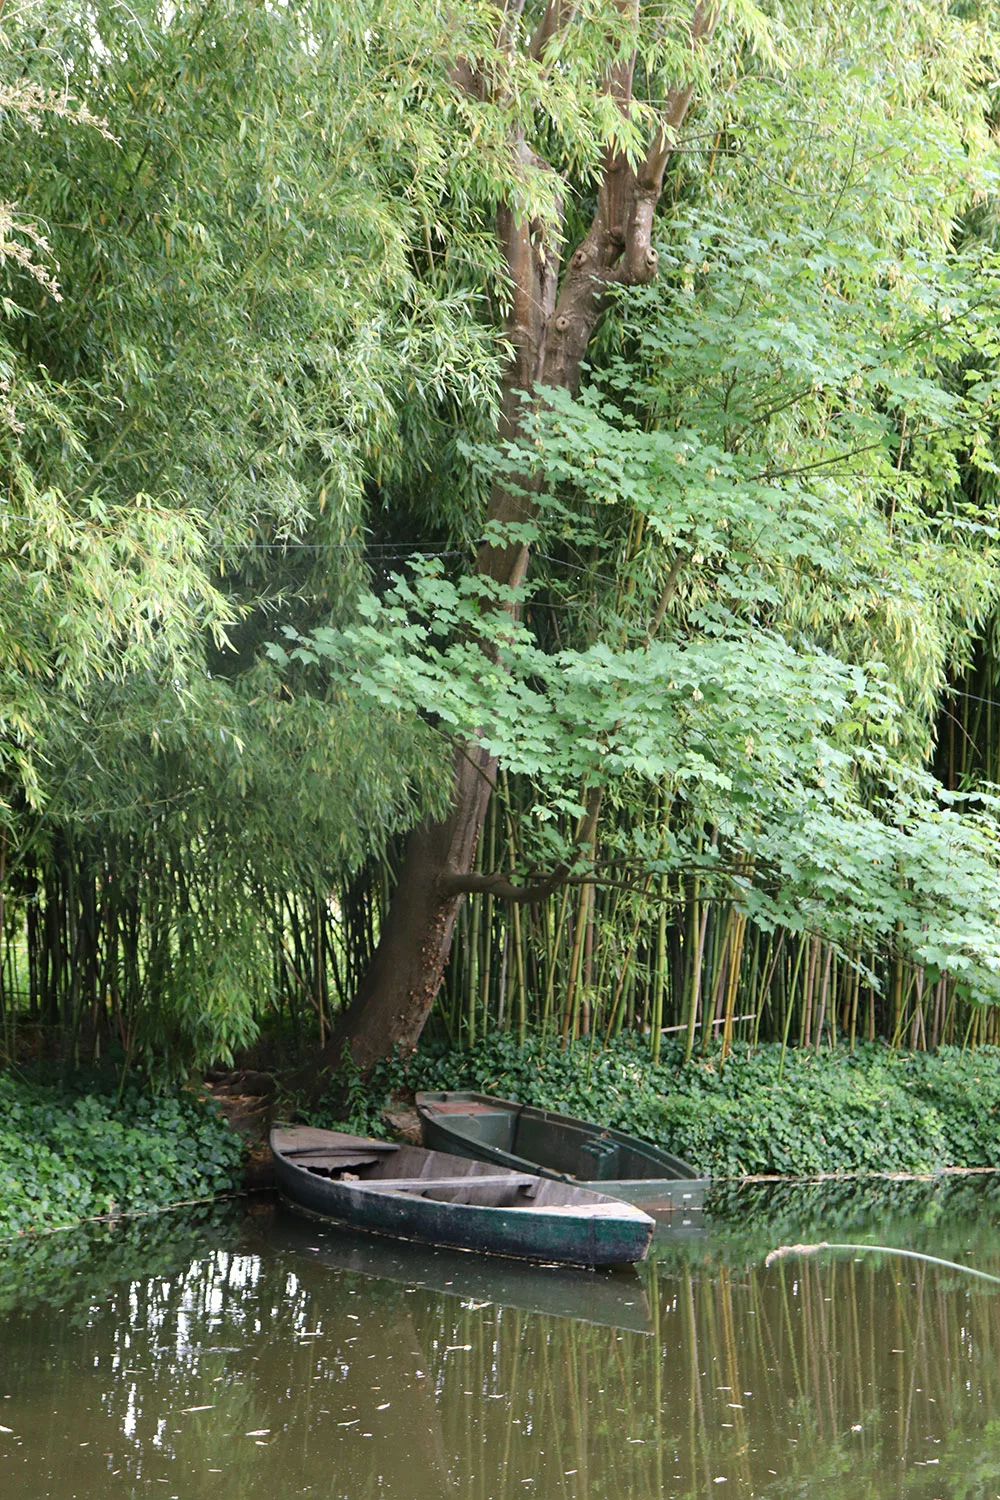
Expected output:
(592, 1230)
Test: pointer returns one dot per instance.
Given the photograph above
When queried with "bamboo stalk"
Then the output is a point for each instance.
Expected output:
(660, 972)
(823, 996)
(855, 995)
(571, 1018)
(790, 1009)
(698, 938)
(553, 949)
(734, 969)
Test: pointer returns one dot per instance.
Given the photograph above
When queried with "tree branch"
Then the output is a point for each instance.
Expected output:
(618, 247)
(667, 593)
(455, 883)
(558, 15)
(640, 258)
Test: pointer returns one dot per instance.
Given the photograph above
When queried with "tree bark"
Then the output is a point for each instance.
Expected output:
(403, 978)
(554, 310)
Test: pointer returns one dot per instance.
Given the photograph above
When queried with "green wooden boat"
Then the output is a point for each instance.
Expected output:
(440, 1199)
(526, 1139)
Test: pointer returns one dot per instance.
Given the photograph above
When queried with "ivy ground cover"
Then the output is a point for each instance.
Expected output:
(66, 1157)
(873, 1110)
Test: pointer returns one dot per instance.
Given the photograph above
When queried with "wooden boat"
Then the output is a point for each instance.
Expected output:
(438, 1199)
(525, 1139)
(613, 1298)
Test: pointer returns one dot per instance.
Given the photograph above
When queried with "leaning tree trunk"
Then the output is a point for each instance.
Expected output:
(555, 307)
(403, 978)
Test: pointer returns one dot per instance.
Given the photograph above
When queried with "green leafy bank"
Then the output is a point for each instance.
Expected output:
(873, 1110)
(66, 1157)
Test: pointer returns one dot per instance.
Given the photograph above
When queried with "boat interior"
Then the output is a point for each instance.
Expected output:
(535, 1137)
(385, 1167)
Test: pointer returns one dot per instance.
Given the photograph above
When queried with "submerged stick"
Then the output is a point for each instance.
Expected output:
(784, 1251)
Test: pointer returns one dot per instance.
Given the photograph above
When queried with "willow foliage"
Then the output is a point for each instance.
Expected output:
(216, 337)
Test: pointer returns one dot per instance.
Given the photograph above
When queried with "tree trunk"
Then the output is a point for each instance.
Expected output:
(396, 995)
(549, 326)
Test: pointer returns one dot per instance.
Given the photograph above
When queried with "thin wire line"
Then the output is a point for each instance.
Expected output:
(382, 551)
(390, 552)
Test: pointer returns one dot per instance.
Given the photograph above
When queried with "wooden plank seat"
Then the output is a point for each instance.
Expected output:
(349, 1148)
(467, 1107)
(419, 1184)
(328, 1151)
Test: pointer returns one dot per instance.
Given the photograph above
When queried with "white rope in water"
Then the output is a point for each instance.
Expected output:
(784, 1251)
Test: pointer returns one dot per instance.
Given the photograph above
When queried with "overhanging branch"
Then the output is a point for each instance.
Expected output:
(495, 883)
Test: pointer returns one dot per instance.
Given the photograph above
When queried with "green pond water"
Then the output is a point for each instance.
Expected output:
(258, 1355)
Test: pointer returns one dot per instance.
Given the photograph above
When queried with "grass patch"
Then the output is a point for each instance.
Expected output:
(873, 1110)
(65, 1157)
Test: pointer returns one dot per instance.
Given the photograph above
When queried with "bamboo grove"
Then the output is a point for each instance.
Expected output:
(80, 956)
(745, 707)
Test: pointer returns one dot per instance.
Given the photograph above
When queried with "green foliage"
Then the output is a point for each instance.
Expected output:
(217, 343)
(767, 538)
(66, 1157)
(251, 357)
(873, 1110)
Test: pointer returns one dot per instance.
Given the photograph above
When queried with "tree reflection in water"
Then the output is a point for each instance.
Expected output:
(233, 1358)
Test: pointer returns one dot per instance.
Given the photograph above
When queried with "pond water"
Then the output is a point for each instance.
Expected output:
(263, 1356)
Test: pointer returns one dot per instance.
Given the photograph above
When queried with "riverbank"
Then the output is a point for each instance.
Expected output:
(68, 1156)
(871, 1111)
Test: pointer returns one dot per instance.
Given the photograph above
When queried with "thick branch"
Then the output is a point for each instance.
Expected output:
(558, 15)
(666, 594)
(640, 256)
(464, 75)
(618, 247)
(456, 883)
(499, 885)
(533, 271)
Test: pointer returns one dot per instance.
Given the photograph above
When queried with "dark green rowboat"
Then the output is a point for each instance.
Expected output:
(526, 1139)
(438, 1199)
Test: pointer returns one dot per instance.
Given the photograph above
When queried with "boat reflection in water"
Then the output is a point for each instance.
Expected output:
(614, 1299)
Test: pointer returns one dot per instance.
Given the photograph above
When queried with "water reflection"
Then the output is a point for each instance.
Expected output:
(615, 1298)
(268, 1357)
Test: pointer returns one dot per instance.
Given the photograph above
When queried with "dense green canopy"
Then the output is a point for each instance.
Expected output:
(256, 328)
